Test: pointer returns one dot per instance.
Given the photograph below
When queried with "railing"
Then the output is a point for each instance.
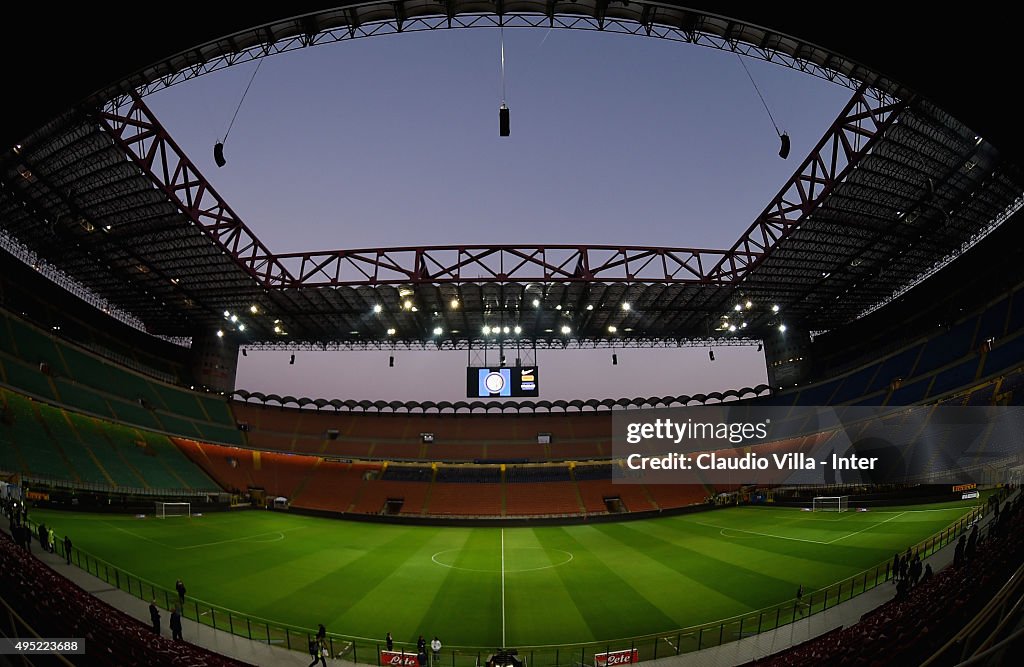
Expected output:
(648, 647)
(64, 483)
(16, 626)
(980, 633)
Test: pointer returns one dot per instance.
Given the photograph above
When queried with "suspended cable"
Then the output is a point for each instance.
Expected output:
(783, 137)
(758, 91)
(503, 113)
(545, 37)
(259, 63)
(218, 148)
(501, 41)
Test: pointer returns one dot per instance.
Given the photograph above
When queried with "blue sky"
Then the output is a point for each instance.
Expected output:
(393, 141)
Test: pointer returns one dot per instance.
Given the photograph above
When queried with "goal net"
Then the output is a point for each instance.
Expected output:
(166, 510)
(831, 504)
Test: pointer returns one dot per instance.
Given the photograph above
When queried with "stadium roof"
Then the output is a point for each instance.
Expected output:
(895, 187)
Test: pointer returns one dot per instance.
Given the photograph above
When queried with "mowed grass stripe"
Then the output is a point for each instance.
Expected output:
(745, 580)
(469, 601)
(397, 603)
(603, 598)
(305, 580)
(658, 577)
(340, 585)
(536, 601)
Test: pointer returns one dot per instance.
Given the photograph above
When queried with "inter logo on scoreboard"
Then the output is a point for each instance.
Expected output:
(502, 382)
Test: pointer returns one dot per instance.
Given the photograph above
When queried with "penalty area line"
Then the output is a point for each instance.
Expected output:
(136, 535)
(874, 525)
(242, 539)
(753, 532)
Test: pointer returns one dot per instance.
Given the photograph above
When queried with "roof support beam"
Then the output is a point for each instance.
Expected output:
(135, 129)
(852, 135)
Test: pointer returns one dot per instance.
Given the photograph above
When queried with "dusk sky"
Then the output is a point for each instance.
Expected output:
(393, 141)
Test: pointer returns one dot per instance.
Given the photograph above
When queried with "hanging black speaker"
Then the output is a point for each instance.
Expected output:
(391, 362)
(784, 149)
(218, 154)
(503, 121)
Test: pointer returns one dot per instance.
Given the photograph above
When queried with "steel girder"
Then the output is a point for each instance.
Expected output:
(354, 20)
(140, 135)
(500, 264)
(509, 344)
(851, 136)
(864, 118)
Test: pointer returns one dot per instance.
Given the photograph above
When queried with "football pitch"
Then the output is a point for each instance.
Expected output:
(515, 586)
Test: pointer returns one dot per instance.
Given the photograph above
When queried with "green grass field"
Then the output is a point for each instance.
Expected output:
(513, 586)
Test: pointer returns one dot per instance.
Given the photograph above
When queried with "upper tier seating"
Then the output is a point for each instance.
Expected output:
(53, 369)
(47, 441)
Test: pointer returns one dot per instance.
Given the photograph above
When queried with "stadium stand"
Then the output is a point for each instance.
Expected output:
(373, 497)
(537, 474)
(48, 367)
(334, 486)
(541, 498)
(484, 500)
(666, 496)
(596, 492)
(396, 437)
(408, 473)
(228, 465)
(46, 441)
(54, 607)
(311, 482)
(469, 474)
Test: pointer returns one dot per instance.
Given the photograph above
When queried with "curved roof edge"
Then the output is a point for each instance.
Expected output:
(575, 406)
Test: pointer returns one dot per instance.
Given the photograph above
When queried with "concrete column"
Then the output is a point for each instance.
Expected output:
(788, 357)
(214, 361)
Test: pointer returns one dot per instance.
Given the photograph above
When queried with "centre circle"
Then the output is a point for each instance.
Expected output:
(516, 559)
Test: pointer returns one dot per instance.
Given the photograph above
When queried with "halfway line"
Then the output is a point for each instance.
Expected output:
(502, 588)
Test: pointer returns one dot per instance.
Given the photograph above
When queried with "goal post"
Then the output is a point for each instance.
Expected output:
(830, 504)
(167, 510)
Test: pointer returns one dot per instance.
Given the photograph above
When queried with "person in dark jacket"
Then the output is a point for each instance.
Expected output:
(180, 587)
(176, 624)
(67, 548)
(316, 650)
(154, 616)
(972, 543)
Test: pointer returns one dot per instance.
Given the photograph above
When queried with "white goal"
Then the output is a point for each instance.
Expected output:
(166, 510)
(831, 504)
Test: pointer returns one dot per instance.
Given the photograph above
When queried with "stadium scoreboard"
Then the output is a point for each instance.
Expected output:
(502, 382)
